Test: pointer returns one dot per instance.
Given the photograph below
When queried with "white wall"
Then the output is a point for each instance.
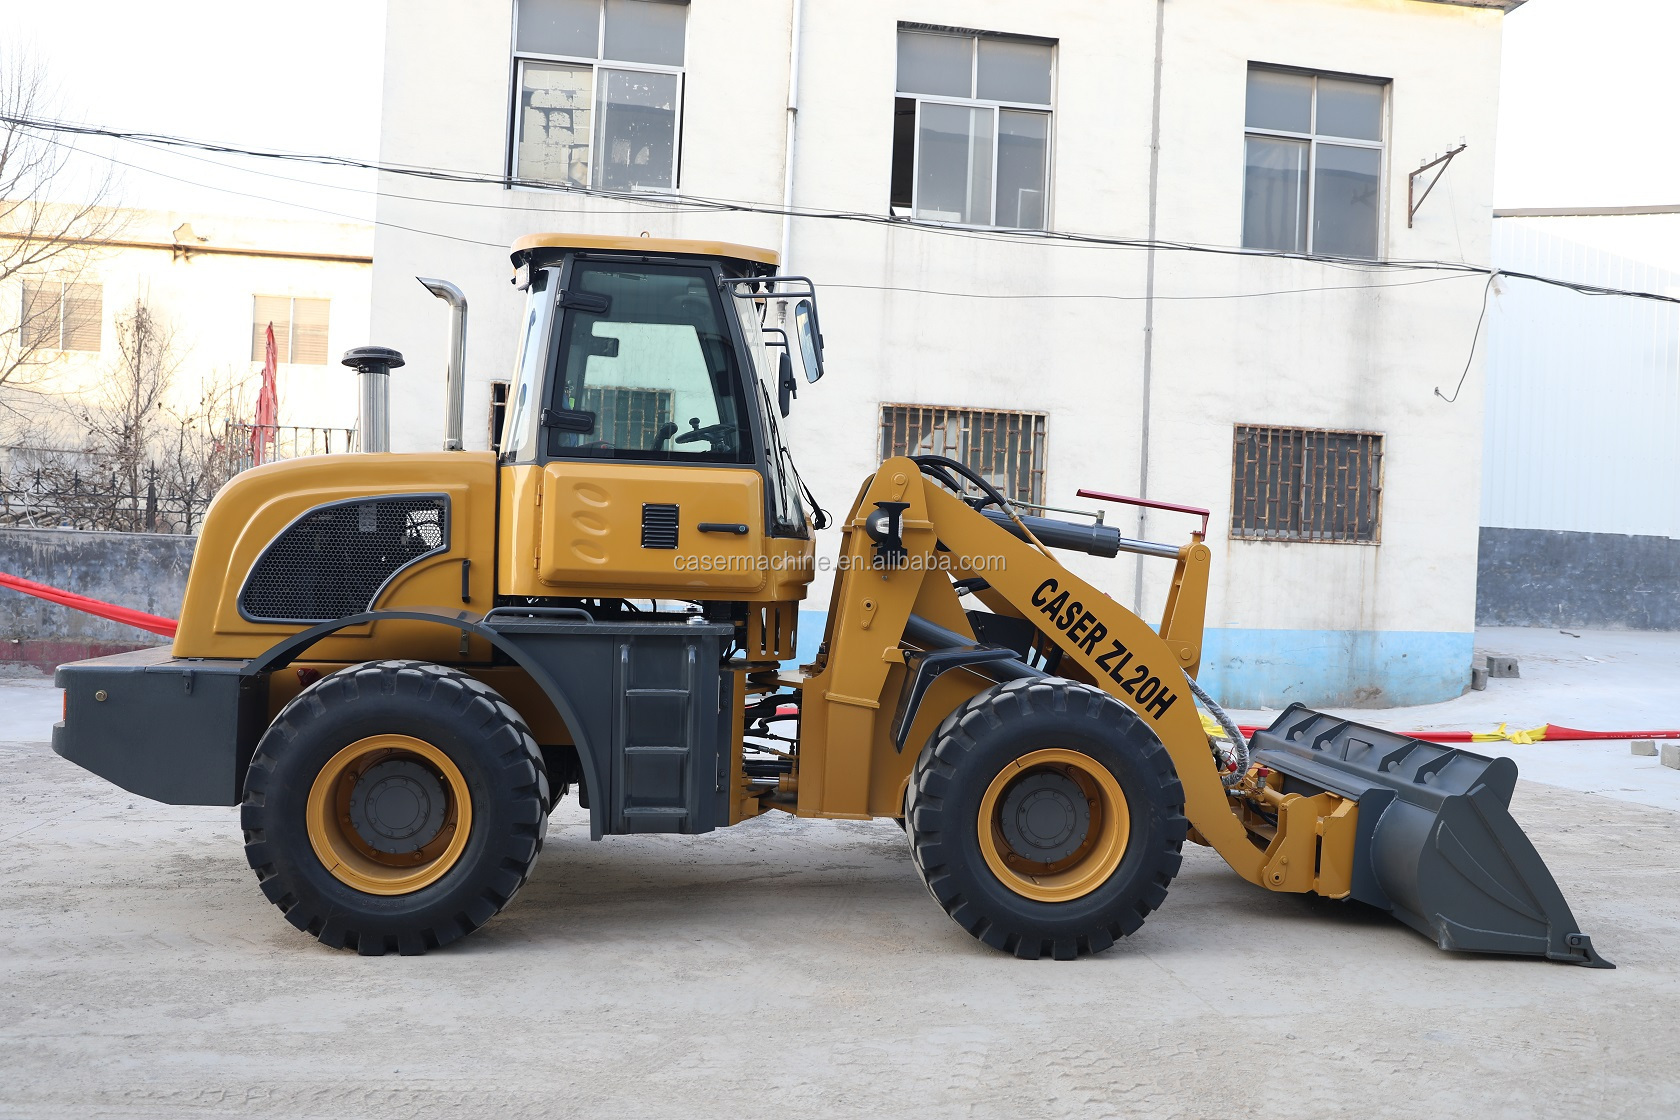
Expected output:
(206, 299)
(1366, 355)
(1584, 391)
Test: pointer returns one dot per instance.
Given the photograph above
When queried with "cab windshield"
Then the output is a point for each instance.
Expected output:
(647, 369)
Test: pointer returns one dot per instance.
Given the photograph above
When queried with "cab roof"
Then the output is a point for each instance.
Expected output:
(658, 245)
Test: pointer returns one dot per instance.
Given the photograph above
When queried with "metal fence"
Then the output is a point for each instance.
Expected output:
(41, 498)
(251, 444)
(1004, 447)
(45, 488)
(1306, 484)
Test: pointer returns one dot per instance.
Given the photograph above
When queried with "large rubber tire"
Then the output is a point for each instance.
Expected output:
(484, 744)
(971, 752)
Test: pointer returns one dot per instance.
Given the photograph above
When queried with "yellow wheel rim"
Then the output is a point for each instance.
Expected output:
(1094, 859)
(345, 850)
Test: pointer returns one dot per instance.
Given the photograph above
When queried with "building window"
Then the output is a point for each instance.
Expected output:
(1313, 179)
(971, 128)
(1004, 448)
(1306, 484)
(628, 417)
(300, 329)
(498, 413)
(59, 316)
(600, 92)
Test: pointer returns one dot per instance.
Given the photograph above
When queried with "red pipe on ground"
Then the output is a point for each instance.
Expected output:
(140, 620)
(166, 627)
(1551, 733)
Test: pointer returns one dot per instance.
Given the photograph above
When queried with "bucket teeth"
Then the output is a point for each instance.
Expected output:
(1436, 844)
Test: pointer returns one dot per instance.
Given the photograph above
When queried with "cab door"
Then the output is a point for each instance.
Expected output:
(650, 481)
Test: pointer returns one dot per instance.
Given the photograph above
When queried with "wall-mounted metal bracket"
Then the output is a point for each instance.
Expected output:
(1414, 201)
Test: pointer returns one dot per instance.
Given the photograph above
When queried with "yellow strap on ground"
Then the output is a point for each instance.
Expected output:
(1520, 738)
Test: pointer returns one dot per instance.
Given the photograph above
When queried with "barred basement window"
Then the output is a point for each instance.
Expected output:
(1004, 448)
(628, 417)
(1306, 484)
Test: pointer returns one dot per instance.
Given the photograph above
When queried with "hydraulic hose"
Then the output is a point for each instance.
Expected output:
(1238, 743)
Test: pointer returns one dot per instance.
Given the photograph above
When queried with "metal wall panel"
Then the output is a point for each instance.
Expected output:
(1583, 392)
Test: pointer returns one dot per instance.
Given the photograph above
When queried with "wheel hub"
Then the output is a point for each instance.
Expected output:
(1045, 817)
(397, 806)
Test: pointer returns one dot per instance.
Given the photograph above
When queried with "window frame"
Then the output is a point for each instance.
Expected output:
(290, 348)
(63, 328)
(1048, 111)
(517, 61)
(1035, 425)
(1313, 139)
(748, 455)
(1376, 442)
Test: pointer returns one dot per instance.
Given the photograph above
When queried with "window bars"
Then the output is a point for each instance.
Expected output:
(1006, 448)
(1306, 484)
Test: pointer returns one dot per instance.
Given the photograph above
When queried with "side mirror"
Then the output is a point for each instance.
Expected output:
(786, 387)
(810, 338)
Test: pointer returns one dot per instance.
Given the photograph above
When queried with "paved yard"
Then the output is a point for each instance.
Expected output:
(791, 967)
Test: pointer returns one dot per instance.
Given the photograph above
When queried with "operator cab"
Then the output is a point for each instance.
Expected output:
(643, 422)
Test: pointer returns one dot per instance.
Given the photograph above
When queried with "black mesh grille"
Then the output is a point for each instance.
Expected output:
(659, 525)
(333, 560)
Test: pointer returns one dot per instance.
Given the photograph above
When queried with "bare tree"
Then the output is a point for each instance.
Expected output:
(52, 219)
(128, 418)
(131, 453)
(201, 444)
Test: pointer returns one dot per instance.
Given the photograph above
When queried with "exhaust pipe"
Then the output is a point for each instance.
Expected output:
(373, 366)
(455, 384)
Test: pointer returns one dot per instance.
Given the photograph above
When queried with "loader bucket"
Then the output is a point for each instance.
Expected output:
(1436, 845)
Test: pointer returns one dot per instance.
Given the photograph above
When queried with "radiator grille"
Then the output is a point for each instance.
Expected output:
(334, 560)
(659, 525)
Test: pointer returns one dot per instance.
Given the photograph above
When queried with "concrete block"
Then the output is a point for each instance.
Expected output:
(1502, 666)
(1671, 755)
(1478, 679)
(1645, 748)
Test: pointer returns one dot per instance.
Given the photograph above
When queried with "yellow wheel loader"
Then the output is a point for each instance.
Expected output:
(396, 664)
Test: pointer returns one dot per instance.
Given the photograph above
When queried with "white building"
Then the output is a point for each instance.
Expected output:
(216, 282)
(928, 142)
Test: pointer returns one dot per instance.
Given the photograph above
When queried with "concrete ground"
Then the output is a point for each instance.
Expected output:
(787, 968)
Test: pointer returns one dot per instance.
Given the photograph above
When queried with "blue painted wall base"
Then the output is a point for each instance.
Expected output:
(1319, 668)
(1334, 668)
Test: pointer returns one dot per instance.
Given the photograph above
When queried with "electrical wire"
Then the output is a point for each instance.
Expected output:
(1474, 339)
(277, 201)
(1111, 296)
(548, 210)
(689, 203)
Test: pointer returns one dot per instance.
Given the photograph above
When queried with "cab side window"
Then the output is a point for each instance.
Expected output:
(647, 371)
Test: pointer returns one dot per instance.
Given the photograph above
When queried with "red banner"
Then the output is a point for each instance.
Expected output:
(264, 434)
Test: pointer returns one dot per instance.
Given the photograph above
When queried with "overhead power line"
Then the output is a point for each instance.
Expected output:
(675, 202)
